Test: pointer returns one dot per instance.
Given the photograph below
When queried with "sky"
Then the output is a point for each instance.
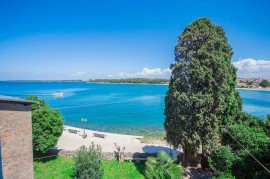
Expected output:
(87, 39)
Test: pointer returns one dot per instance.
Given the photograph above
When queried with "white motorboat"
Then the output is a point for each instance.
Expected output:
(58, 93)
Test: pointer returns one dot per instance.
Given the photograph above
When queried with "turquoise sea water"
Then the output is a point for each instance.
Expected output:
(125, 108)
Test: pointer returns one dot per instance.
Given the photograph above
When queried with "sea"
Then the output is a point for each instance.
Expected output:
(120, 108)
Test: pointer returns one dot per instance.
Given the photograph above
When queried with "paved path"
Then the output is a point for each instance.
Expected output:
(71, 142)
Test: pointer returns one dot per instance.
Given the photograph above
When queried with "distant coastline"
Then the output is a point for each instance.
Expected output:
(146, 81)
(242, 83)
(255, 89)
(166, 84)
(132, 81)
(43, 81)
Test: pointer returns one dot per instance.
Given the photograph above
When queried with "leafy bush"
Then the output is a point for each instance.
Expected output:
(250, 121)
(221, 159)
(47, 126)
(162, 167)
(249, 82)
(253, 138)
(246, 167)
(267, 123)
(88, 163)
(225, 175)
(267, 120)
(265, 83)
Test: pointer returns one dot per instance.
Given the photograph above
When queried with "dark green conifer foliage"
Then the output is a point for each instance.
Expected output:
(201, 98)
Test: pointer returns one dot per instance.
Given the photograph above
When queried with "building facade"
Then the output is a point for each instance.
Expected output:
(16, 138)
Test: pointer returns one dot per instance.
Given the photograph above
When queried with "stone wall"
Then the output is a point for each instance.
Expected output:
(105, 155)
(16, 140)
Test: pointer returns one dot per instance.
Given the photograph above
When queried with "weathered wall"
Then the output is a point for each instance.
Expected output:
(16, 140)
(105, 155)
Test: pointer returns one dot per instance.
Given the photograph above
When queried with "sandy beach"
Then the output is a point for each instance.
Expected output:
(71, 142)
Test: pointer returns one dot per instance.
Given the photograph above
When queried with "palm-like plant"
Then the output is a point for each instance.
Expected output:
(162, 167)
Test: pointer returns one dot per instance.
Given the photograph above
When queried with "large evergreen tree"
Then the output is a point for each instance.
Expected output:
(201, 98)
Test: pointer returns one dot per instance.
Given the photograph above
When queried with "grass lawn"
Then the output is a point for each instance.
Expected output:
(123, 170)
(62, 167)
(56, 167)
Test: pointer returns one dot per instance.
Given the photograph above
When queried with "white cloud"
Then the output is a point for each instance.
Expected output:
(78, 73)
(253, 68)
(148, 73)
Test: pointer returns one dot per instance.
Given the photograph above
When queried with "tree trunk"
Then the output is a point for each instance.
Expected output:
(186, 157)
(204, 159)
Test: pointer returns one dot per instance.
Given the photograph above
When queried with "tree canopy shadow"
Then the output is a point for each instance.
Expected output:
(153, 149)
(150, 150)
(140, 166)
(51, 155)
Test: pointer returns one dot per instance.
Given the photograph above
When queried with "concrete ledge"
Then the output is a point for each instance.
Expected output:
(106, 155)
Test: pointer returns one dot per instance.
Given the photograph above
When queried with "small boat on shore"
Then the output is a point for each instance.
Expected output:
(57, 93)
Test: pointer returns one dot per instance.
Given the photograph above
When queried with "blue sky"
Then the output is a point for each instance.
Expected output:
(86, 39)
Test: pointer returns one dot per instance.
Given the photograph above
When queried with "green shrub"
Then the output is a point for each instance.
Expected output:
(88, 163)
(267, 124)
(225, 175)
(250, 121)
(267, 120)
(249, 82)
(221, 159)
(246, 167)
(252, 136)
(47, 126)
(265, 83)
(162, 167)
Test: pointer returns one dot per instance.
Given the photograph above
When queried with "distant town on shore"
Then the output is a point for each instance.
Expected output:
(255, 83)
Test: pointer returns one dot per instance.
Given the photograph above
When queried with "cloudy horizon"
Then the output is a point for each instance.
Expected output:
(251, 68)
(246, 68)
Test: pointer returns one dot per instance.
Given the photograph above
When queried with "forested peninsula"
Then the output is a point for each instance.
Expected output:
(132, 80)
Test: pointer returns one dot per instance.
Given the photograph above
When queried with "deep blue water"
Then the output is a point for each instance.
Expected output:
(127, 108)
